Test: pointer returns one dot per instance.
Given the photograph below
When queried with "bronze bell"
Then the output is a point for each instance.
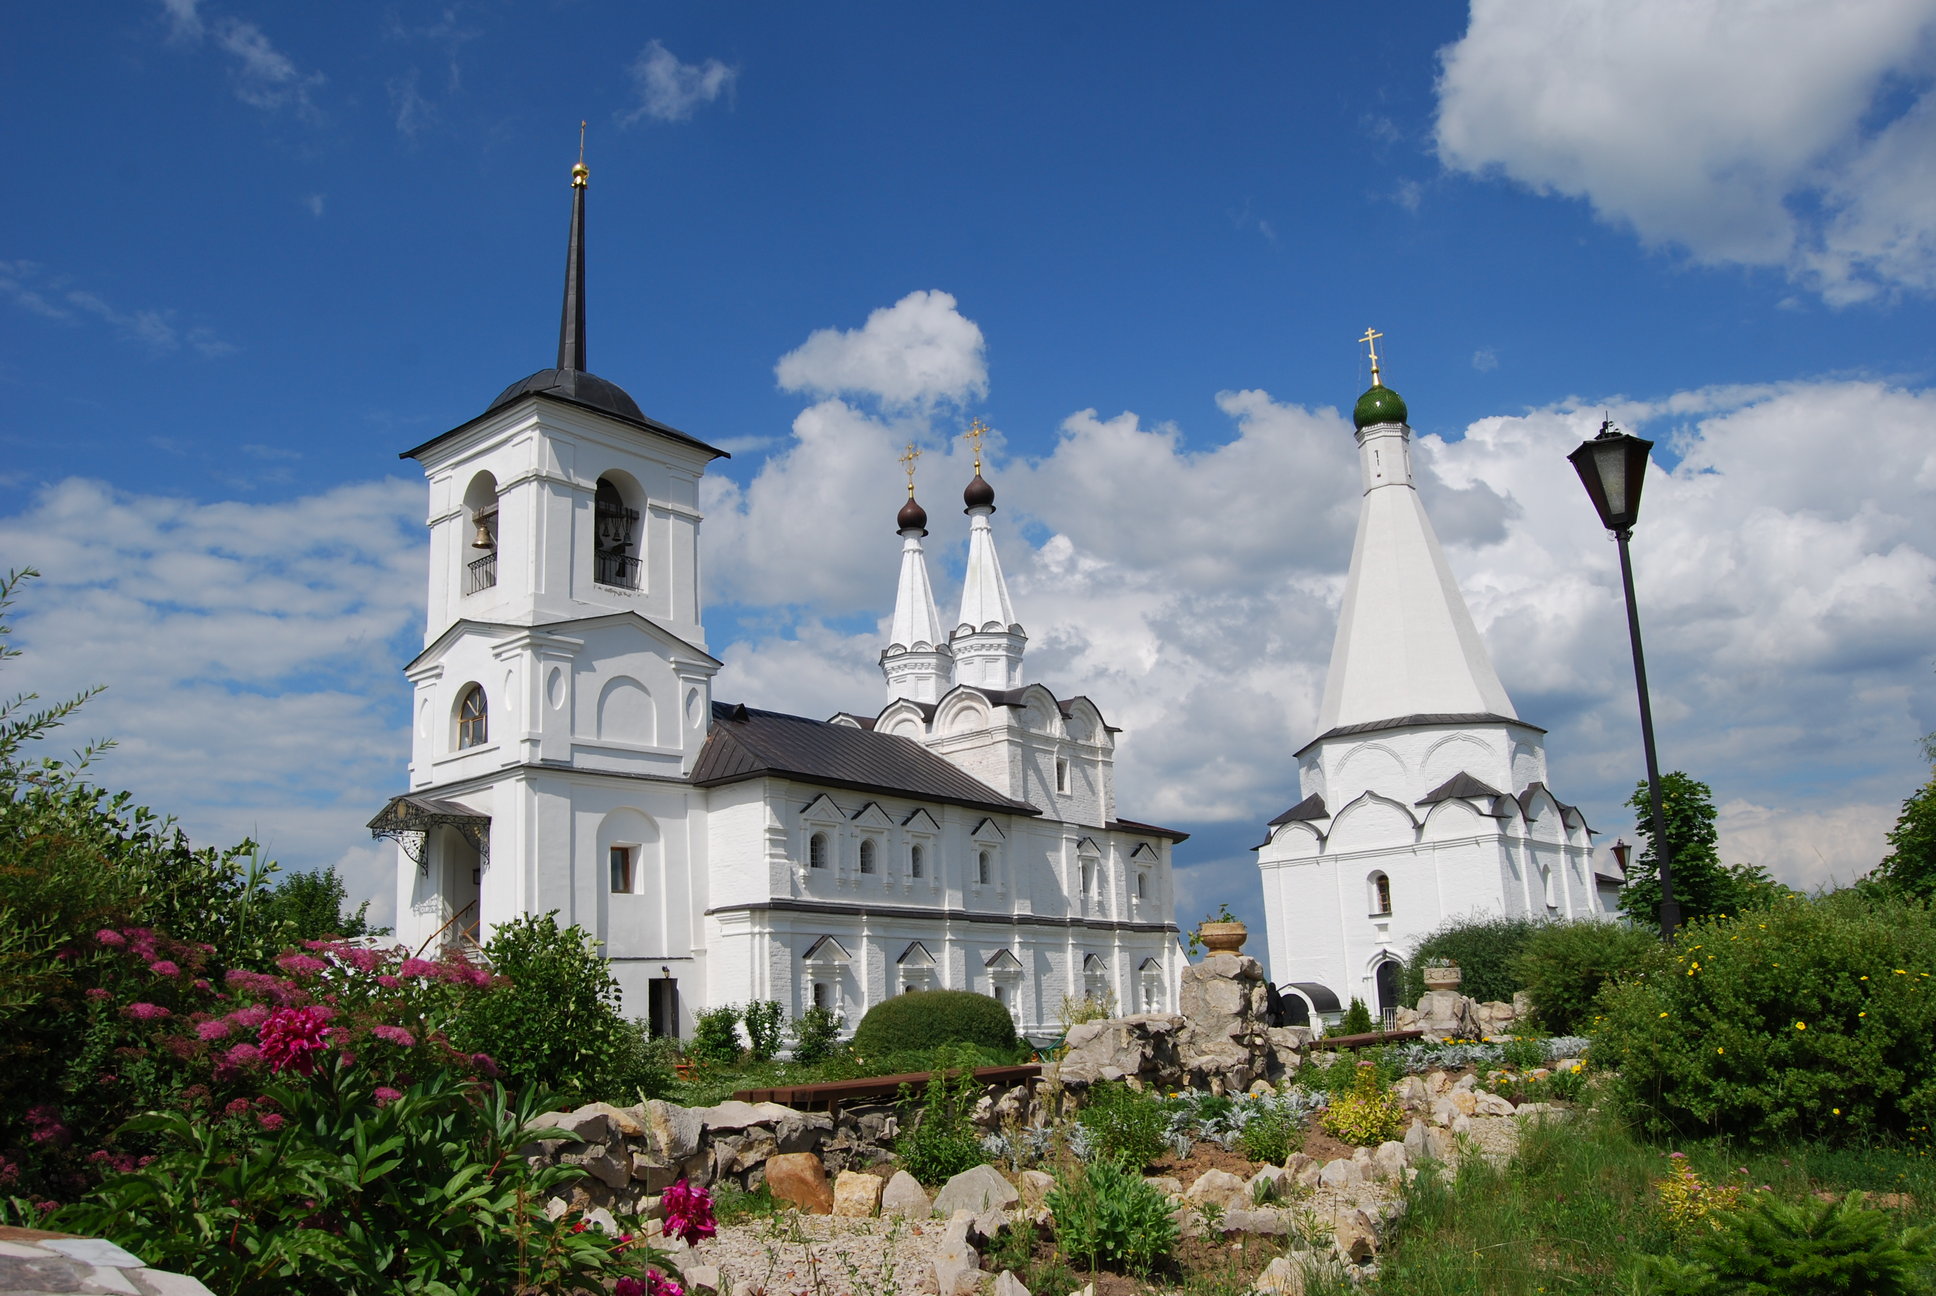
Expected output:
(484, 539)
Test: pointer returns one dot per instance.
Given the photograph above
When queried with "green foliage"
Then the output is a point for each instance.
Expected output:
(1342, 1072)
(556, 1024)
(762, 1017)
(312, 906)
(1910, 868)
(1107, 1217)
(1703, 885)
(1562, 966)
(1124, 1124)
(927, 1019)
(1357, 1019)
(715, 1037)
(1484, 949)
(1367, 1114)
(1195, 938)
(1775, 1248)
(1074, 1012)
(422, 1192)
(815, 1033)
(941, 1141)
(1272, 1133)
(1813, 1017)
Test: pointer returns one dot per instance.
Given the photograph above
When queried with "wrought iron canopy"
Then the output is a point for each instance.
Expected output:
(407, 821)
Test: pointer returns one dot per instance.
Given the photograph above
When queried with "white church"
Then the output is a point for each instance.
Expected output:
(1423, 795)
(568, 754)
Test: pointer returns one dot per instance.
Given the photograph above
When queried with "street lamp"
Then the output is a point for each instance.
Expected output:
(1613, 467)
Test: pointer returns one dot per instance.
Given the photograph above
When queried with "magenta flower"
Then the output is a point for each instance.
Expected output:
(388, 982)
(97, 993)
(628, 1287)
(251, 1017)
(162, 967)
(218, 1028)
(688, 1212)
(416, 967)
(385, 1095)
(363, 960)
(394, 1035)
(111, 938)
(238, 1107)
(270, 1122)
(657, 1284)
(44, 1124)
(486, 1067)
(292, 1037)
(147, 1012)
(302, 964)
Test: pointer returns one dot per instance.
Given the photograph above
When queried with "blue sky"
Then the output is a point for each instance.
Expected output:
(253, 251)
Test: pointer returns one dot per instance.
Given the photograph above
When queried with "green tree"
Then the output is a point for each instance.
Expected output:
(310, 906)
(1703, 885)
(1910, 867)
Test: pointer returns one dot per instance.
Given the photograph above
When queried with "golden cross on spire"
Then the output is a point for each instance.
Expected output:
(1370, 339)
(581, 172)
(976, 431)
(908, 457)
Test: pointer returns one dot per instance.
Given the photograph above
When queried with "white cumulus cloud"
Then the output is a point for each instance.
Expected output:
(1789, 133)
(669, 90)
(915, 353)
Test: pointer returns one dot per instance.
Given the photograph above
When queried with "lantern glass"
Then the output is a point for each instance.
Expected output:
(1613, 468)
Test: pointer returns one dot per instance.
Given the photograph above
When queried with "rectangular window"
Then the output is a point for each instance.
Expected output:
(984, 867)
(823, 995)
(917, 862)
(622, 870)
(1061, 774)
(1142, 886)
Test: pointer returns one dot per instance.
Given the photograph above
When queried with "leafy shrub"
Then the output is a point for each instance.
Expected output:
(311, 906)
(1523, 1053)
(1688, 1201)
(1074, 1011)
(1341, 1074)
(1356, 1019)
(1367, 1114)
(762, 1018)
(1773, 1248)
(916, 1023)
(941, 1141)
(1910, 866)
(1124, 1124)
(1108, 1218)
(1562, 967)
(814, 1034)
(715, 1036)
(1484, 949)
(556, 1024)
(1812, 1018)
(338, 1183)
(1274, 1130)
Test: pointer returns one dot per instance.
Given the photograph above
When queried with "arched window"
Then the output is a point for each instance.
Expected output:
(817, 851)
(917, 861)
(480, 509)
(615, 551)
(1088, 878)
(473, 720)
(869, 855)
(984, 867)
(1380, 895)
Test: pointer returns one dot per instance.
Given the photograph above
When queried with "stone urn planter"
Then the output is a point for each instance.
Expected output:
(1222, 937)
(1442, 978)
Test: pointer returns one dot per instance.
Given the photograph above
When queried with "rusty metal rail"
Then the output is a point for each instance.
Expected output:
(829, 1094)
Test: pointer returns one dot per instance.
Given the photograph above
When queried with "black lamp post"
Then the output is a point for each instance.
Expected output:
(1613, 467)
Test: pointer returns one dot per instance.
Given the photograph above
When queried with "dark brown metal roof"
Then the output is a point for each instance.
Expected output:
(1147, 830)
(1417, 721)
(1311, 807)
(746, 743)
(1461, 784)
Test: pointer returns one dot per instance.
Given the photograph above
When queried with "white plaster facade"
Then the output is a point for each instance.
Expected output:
(1424, 796)
(964, 838)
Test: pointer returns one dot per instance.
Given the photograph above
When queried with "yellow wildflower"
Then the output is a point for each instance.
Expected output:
(1801, 1025)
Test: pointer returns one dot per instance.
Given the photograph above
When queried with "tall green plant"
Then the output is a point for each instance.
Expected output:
(1776, 1248)
(763, 1019)
(1910, 867)
(1562, 968)
(941, 1141)
(1108, 1217)
(1703, 885)
(1484, 948)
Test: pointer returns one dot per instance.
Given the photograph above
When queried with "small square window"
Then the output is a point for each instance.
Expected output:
(621, 862)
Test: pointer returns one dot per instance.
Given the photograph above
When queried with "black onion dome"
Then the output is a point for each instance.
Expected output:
(979, 494)
(576, 386)
(912, 517)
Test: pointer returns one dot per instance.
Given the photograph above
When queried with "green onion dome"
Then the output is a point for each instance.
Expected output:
(1379, 404)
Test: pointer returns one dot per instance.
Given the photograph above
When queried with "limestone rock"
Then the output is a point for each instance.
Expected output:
(735, 1115)
(905, 1197)
(1168, 1185)
(1411, 1093)
(588, 1123)
(674, 1130)
(698, 1278)
(1263, 1222)
(987, 1226)
(800, 1180)
(1268, 1184)
(1448, 1015)
(610, 1170)
(1436, 1083)
(1218, 1187)
(955, 1262)
(1390, 1160)
(1281, 1277)
(975, 1190)
(1357, 1236)
(1310, 1173)
(1464, 1101)
(1491, 1104)
(1007, 1284)
(1143, 1045)
(856, 1194)
(1339, 1173)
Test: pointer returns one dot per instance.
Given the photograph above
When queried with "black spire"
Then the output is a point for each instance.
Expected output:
(571, 326)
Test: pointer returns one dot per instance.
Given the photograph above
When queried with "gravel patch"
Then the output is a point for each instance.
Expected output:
(789, 1254)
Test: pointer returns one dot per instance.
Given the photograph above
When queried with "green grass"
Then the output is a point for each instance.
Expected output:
(1576, 1211)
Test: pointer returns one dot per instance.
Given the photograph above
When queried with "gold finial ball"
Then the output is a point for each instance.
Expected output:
(579, 174)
